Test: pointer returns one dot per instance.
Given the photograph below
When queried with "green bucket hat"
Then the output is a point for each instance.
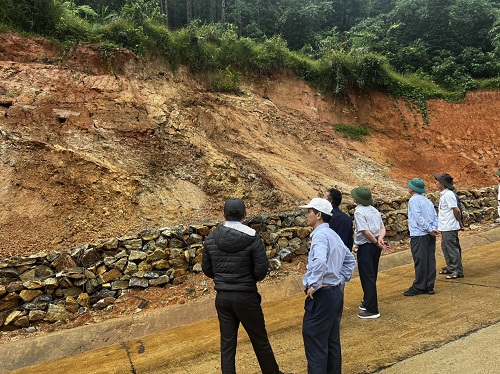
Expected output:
(498, 172)
(362, 195)
(417, 185)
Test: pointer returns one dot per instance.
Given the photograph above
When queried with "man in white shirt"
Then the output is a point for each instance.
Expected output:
(448, 224)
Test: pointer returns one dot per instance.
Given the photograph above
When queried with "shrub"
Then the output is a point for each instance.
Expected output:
(270, 55)
(226, 81)
(354, 132)
(487, 84)
(72, 28)
(365, 71)
(158, 42)
(125, 34)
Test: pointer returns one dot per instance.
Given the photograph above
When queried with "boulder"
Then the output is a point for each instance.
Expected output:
(28, 295)
(56, 313)
(63, 262)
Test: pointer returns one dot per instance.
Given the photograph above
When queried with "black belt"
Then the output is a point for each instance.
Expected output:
(331, 286)
(324, 286)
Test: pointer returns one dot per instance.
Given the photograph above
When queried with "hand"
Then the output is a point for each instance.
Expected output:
(435, 233)
(381, 243)
(310, 293)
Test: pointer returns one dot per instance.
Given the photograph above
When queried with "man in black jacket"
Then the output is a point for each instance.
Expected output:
(340, 222)
(235, 258)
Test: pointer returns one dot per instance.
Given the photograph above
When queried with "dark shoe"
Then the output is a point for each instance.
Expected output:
(362, 306)
(445, 271)
(430, 291)
(455, 276)
(366, 315)
(412, 292)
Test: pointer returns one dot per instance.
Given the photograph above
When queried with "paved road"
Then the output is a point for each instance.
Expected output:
(478, 353)
(456, 330)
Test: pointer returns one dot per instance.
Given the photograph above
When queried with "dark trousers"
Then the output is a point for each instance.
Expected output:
(423, 250)
(368, 259)
(321, 331)
(233, 308)
(450, 244)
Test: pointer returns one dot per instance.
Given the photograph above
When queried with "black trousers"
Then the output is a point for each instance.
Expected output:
(233, 308)
(321, 331)
(368, 259)
(423, 250)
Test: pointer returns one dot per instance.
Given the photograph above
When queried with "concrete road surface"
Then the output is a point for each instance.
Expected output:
(457, 330)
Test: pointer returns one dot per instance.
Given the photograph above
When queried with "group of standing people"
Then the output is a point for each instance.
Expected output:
(425, 225)
(235, 257)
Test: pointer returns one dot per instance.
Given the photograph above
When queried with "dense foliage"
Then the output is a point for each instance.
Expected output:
(415, 48)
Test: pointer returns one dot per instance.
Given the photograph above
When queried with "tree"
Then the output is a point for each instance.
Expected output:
(164, 12)
(223, 14)
(299, 21)
(346, 13)
(471, 21)
(189, 9)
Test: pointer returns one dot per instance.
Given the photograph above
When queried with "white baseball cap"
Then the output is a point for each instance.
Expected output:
(321, 205)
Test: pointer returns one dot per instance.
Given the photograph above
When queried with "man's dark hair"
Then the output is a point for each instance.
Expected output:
(234, 209)
(325, 217)
(334, 196)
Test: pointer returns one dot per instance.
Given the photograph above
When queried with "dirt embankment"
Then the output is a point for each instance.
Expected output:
(95, 146)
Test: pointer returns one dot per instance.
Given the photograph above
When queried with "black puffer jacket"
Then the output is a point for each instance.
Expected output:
(234, 259)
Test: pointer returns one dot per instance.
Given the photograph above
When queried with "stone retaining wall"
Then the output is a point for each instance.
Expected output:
(50, 286)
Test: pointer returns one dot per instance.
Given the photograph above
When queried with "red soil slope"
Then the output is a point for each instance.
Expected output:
(94, 147)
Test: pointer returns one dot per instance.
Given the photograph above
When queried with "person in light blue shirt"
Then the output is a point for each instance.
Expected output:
(330, 264)
(422, 224)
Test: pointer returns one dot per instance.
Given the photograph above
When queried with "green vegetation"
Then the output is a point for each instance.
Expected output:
(226, 81)
(487, 84)
(333, 44)
(354, 132)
